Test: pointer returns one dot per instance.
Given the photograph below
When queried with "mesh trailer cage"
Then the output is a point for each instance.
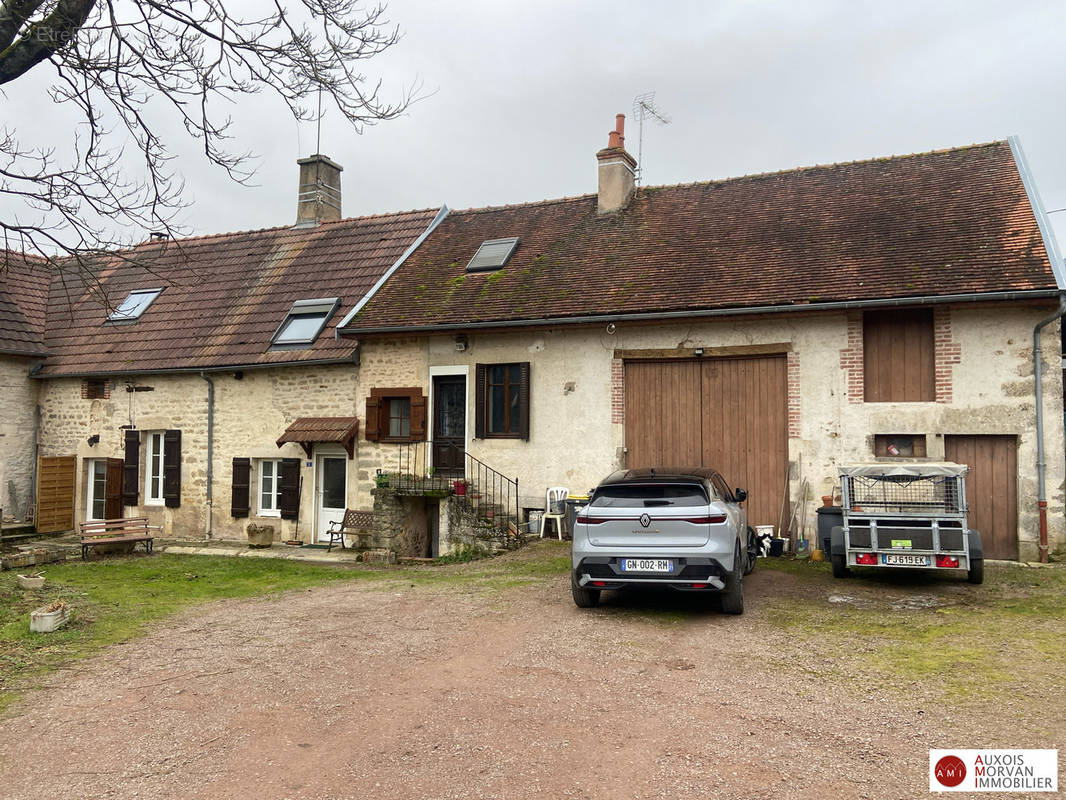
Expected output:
(904, 490)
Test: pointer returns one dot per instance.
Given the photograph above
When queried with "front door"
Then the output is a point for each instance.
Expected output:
(449, 424)
(331, 492)
(103, 489)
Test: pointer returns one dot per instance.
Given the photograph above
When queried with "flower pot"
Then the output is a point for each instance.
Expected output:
(460, 488)
(260, 535)
(42, 621)
(827, 500)
(31, 581)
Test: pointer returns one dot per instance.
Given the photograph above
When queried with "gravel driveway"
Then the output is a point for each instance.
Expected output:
(458, 690)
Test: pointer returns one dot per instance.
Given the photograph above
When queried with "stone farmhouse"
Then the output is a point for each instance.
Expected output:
(772, 326)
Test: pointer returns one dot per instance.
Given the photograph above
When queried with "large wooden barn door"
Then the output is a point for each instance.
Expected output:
(727, 413)
(991, 489)
(55, 493)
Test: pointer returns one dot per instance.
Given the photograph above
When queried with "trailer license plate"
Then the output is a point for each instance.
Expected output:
(647, 565)
(901, 560)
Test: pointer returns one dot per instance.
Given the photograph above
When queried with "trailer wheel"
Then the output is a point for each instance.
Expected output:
(976, 573)
(840, 569)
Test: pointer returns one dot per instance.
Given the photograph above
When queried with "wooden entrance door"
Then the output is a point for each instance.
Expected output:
(449, 424)
(55, 493)
(727, 413)
(991, 489)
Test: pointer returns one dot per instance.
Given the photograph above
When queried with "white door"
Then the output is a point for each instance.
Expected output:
(96, 489)
(331, 492)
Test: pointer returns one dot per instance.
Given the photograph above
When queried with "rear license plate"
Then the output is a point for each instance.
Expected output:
(901, 560)
(647, 565)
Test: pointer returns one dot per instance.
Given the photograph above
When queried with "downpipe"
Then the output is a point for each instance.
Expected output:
(1041, 464)
(209, 525)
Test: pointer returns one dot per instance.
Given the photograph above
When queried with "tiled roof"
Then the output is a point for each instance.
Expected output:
(308, 430)
(948, 222)
(224, 296)
(23, 301)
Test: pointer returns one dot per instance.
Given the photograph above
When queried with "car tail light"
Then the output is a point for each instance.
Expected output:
(947, 561)
(699, 586)
(865, 558)
(584, 519)
(712, 520)
(598, 583)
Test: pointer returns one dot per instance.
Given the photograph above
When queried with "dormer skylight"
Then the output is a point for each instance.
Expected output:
(493, 254)
(135, 304)
(304, 322)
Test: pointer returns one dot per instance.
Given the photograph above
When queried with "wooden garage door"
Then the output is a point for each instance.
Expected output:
(55, 493)
(727, 413)
(991, 489)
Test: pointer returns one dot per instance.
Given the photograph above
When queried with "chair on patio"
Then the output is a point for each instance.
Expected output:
(555, 509)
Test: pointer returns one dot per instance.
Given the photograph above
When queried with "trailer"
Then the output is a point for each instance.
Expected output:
(906, 516)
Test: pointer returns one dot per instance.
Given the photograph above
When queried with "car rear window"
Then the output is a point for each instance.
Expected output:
(649, 495)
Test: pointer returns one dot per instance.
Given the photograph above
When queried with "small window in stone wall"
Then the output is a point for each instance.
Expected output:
(92, 389)
(899, 445)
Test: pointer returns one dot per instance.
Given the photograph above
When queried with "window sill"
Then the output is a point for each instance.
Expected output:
(155, 503)
(270, 514)
(503, 436)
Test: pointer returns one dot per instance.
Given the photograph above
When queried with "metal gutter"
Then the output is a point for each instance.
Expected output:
(209, 524)
(198, 370)
(1047, 233)
(653, 316)
(437, 220)
(1041, 465)
(26, 353)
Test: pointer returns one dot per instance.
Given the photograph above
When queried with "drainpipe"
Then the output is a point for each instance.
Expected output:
(210, 453)
(1041, 466)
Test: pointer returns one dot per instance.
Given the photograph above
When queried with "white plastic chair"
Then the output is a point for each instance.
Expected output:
(555, 498)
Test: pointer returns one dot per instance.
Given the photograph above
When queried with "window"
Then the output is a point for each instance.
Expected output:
(396, 415)
(153, 489)
(899, 445)
(502, 401)
(135, 304)
(493, 254)
(399, 417)
(898, 356)
(269, 487)
(304, 322)
(97, 488)
(95, 389)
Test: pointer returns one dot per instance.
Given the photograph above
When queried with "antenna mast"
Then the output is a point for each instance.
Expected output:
(644, 106)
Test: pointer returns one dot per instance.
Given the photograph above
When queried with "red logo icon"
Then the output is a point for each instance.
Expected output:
(950, 771)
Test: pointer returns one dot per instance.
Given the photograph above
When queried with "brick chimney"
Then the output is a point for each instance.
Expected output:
(319, 198)
(617, 170)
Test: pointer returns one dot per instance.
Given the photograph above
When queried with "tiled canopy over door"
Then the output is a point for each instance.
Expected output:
(991, 489)
(727, 413)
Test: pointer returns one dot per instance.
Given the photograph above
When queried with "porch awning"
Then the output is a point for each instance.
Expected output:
(306, 431)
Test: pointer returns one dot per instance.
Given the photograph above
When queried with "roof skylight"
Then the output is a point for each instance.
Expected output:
(493, 254)
(135, 304)
(304, 322)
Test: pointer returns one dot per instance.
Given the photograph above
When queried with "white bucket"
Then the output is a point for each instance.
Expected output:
(764, 530)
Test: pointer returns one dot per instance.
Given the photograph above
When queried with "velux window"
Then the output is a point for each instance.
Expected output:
(305, 322)
(493, 254)
(135, 304)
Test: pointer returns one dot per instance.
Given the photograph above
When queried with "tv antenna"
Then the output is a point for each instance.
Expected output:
(643, 107)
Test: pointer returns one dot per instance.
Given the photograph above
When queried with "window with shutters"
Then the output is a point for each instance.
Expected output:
(898, 364)
(153, 484)
(162, 468)
(502, 401)
(396, 415)
(270, 487)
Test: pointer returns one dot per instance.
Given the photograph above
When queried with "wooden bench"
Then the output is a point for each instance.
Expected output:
(354, 523)
(115, 531)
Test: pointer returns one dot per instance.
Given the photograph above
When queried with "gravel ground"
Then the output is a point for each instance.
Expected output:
(455, 691)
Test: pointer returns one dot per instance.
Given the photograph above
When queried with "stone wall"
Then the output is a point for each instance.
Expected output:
(18, 403)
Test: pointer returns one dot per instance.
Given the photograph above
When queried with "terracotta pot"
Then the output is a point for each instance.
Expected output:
(827, 500)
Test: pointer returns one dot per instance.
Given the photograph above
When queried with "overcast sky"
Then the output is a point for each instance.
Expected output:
(520, 96)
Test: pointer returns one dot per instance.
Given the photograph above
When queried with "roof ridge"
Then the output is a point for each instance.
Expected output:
(531, 203)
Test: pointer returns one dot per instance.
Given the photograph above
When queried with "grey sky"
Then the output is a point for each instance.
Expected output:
(523, 94)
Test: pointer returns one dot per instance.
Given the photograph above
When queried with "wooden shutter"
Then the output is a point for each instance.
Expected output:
(418, 417)
(898, 353)
(172, 468)
(113, 489)
(56, 476)
(240, 489)
(289, 488)
(131, 469)
(523, 401)
(372, 430)
(480, 376)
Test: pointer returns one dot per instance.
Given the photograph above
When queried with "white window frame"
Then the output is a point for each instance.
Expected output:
(152, 480)
(90, 482)
(260, 487)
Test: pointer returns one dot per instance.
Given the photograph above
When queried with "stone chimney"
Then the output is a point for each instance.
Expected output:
(319, 198)
(617, 170)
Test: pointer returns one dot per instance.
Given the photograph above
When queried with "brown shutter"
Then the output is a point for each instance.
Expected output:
(240, 488)
(480, 374)
(523, 401)
(172, 468)
(289, 488)
(131, 469)
(113, 489)
(373, 417)
(418, 417)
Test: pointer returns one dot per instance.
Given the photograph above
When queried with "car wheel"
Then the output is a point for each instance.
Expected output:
(753, 552)
(976, 572)
(840, 569)
(733, 594)
(583, 598)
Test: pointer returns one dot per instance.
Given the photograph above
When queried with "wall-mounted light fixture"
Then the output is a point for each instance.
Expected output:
(461, 343)
(93, 440)
(698, 352)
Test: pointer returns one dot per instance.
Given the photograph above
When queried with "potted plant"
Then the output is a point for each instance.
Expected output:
(34, 581)
(49, 618)
(382, 480)
(459, 485)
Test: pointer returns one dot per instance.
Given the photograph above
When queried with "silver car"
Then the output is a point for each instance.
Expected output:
(681, 528)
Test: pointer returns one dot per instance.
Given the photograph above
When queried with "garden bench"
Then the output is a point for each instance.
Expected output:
(115, 531)
(354, 523)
